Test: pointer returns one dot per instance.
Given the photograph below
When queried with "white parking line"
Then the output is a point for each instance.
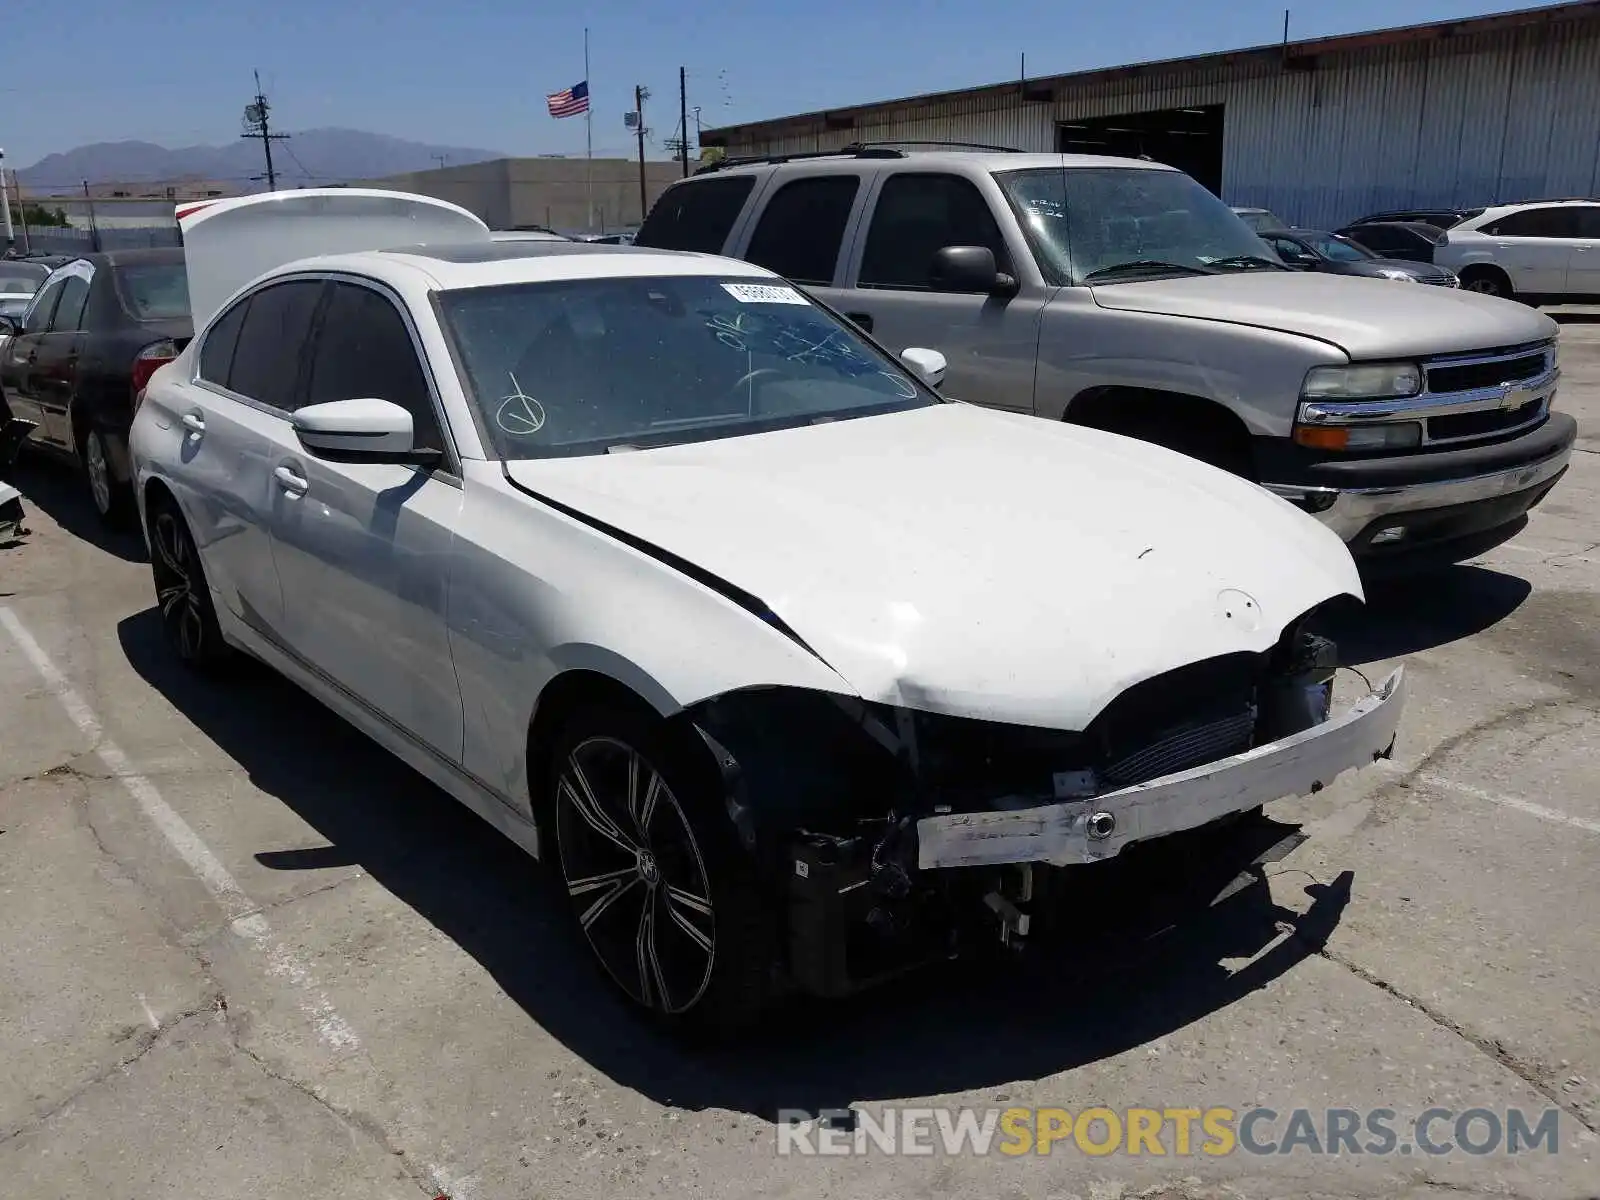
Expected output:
(1516, 802)
(245, 919)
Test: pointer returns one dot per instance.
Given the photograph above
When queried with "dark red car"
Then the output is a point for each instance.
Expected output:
(96, 331)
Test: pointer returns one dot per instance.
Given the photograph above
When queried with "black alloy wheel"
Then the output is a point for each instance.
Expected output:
(653, 877)
(636, 876)
(188, 620)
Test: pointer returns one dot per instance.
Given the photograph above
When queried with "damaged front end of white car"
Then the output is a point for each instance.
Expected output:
(902, 836)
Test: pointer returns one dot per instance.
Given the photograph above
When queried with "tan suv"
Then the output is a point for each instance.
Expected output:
(1121, 294)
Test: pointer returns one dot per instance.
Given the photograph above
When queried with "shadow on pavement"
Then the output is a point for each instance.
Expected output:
(58, 490)
(949, 1029)
(1575, 318)
(1407, 614)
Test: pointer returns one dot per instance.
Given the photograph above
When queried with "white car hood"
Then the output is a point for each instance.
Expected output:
(973, 563)
(1366, 318)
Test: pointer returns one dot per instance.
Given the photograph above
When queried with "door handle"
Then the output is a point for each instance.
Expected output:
(194, 423)
(862, 319)
(295, 485)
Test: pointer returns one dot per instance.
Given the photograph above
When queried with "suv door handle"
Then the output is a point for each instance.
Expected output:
(295, 485)
(862, 319)
(194, 423)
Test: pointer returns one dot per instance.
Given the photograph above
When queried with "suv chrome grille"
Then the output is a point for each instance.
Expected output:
(1486, 373)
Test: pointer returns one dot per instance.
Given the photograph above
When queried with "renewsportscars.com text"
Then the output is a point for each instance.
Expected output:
(1169, 1132)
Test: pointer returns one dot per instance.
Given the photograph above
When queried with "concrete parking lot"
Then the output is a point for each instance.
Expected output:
(248, 954)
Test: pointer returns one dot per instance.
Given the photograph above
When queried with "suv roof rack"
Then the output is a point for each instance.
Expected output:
(853, 150)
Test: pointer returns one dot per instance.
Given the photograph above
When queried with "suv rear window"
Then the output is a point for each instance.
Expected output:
(697, 215)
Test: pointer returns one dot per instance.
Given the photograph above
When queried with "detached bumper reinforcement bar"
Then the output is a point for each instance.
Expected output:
(1082, 831)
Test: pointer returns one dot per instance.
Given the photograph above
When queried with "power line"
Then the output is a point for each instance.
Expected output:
(256, 126)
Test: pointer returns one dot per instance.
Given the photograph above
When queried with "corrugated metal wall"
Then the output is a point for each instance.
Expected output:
(1471, 120)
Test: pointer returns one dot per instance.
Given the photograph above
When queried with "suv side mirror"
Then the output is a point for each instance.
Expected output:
(9, 326)
(969, 269)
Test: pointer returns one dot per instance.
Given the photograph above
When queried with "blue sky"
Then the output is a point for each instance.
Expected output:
(475, 74)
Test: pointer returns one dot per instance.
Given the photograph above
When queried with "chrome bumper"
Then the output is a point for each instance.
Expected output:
(1350, 510)
(1083, 831)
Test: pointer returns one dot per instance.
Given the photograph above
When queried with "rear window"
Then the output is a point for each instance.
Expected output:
(697, 215)
(153, 291)
(21, 283)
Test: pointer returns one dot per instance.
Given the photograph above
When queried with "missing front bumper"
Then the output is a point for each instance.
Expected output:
(1084, 831)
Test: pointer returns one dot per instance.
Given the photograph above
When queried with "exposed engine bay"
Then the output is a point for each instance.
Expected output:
(898, 836)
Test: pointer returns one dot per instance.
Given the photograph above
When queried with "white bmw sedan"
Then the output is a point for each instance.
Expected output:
(796, 671)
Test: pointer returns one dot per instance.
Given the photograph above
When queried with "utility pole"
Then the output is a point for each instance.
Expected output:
(5, 202)
(441, 159)
(640, 95)
(683, 119)
(22, 213)
(94, 227)
(256, 126)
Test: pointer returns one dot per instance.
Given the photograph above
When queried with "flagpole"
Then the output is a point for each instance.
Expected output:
(588, 131)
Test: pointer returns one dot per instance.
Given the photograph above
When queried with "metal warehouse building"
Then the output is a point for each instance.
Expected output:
(1470, 112)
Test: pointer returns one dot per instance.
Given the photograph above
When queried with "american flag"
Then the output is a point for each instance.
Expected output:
(569, 102)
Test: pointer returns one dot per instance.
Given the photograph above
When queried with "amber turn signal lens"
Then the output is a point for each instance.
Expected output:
(1322, 438)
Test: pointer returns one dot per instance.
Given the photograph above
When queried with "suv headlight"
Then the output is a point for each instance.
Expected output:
(1367, 381)
(1399, 276)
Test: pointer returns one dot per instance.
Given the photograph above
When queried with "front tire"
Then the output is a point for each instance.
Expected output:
(660, 890)
(183, 598)
(1488, 281)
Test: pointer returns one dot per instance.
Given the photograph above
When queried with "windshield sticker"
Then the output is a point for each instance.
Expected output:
(764, 293)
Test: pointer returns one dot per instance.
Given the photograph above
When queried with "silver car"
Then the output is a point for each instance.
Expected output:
(1121, 294)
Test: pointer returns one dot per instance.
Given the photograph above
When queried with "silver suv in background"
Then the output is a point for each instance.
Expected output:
(1122, 295)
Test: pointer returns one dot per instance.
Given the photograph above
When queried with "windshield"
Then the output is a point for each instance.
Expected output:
(153, 291)
(1088, 220)
(19, 281)
(590, 365)
(1339, 251)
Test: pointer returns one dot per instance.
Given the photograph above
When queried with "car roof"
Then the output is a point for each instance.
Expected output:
(490, 263)
(127, 258)
(947, 160)
(1433, 232)
(1500, 210)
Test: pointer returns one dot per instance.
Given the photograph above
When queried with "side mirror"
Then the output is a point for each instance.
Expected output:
(365, 430)
(9, 326)
(969, 269)
(926, 365)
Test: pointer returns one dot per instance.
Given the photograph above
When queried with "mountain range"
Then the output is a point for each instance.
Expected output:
(310, 157)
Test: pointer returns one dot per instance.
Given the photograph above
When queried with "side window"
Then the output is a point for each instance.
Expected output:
(1291, 252)
(216, 356)
(1536, 223)
(1588, 221)
(364, 349)
(802, 228)
(69, 309)
(272, 342)
(915, 217)
(44, 306)
(697, 215)
(1381, 240)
